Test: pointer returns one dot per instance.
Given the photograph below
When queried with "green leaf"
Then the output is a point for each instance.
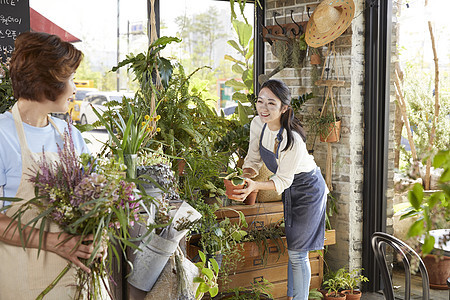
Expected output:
(237, 181)
(208, 273)
(237, 69)
(165, 69)
(415, 196)
(202, 256)
(428, 244)
(214, 291)
(243, 114)
(198, 279)
(244, 32)
(237, 85)
(416, 229)
(164, 40)
(240, 97)
(231, 58)
(435, 198)
(203, 287)
(440, 158)
(215, 265)
(235, 45)
(250, 50)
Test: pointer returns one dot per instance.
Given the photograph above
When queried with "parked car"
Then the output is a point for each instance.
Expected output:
(74, 105)
(98, 101)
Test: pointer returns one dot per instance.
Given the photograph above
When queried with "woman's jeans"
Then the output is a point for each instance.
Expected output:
(299, 275)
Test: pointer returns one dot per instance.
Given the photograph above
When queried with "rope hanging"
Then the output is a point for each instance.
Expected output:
(335, 128)
(153, 38)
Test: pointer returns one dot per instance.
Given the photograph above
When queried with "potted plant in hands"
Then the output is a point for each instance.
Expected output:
(235, 181)
(352, 280)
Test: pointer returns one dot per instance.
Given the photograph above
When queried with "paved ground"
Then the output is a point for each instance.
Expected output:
(416, 289)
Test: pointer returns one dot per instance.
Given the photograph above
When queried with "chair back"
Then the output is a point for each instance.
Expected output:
(379, 240)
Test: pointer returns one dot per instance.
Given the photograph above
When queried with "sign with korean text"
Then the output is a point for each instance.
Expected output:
(14, 19)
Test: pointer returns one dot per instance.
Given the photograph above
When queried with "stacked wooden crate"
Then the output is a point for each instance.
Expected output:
(253, 269)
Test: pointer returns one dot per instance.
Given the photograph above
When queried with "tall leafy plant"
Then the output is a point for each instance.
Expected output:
(242, 67)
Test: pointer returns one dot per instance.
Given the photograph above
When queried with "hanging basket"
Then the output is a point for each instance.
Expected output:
(332, 135)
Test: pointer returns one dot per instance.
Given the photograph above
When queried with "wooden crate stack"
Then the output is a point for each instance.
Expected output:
(252, 269)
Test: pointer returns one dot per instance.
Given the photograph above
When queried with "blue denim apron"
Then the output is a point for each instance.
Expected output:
(304, 203)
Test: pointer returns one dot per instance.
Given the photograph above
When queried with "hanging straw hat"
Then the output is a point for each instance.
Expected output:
(328, 21)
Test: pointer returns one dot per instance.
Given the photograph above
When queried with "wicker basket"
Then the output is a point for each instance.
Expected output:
(266, 196)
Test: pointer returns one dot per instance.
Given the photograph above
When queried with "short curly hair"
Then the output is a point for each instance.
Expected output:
(41, 64)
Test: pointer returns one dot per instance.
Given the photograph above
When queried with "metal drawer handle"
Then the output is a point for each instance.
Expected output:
(273, 249)
(257, 262)
(259, 279)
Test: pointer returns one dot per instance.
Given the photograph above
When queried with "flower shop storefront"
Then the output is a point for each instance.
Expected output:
(155, 200)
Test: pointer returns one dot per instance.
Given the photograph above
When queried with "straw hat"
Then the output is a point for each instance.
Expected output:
(328, 21)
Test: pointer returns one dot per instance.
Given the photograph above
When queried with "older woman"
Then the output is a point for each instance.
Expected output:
(42, 69)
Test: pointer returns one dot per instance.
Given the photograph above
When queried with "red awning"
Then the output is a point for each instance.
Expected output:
(39, 23)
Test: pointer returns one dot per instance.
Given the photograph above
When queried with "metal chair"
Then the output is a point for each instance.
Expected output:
(379, 240)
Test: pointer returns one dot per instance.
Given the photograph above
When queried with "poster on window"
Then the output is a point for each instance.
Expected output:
(14, 19)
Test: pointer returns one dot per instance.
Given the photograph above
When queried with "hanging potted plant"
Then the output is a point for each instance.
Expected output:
(234, 181)
(315, 56)
(326, 126)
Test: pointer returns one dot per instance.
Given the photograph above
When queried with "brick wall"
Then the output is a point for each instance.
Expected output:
(347, 175)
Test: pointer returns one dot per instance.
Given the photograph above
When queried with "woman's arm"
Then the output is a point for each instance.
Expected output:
(63, 244)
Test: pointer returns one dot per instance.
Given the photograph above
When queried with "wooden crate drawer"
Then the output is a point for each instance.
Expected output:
(245, 279)
(250, 210)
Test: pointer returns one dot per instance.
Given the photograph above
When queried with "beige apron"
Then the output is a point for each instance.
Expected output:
(23, 276)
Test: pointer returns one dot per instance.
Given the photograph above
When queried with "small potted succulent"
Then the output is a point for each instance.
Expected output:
(235, 181)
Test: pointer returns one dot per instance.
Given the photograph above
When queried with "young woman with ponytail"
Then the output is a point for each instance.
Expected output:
(278, 140)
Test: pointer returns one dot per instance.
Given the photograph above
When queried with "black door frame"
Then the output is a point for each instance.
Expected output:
(376, 129)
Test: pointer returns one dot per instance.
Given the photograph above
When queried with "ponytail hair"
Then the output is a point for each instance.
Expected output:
(291, 123)
(288, 119)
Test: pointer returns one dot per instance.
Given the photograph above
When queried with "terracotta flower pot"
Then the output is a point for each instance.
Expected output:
(438, 269)
(251, 199)
(333, 134)
(333, 296)
(230, 187)
(356, 295)
(315, 59)
(229, 190)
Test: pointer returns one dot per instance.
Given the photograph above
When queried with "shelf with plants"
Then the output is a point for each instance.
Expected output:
(263, 251)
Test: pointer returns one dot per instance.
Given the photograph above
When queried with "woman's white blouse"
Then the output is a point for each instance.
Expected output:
(290, 162)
